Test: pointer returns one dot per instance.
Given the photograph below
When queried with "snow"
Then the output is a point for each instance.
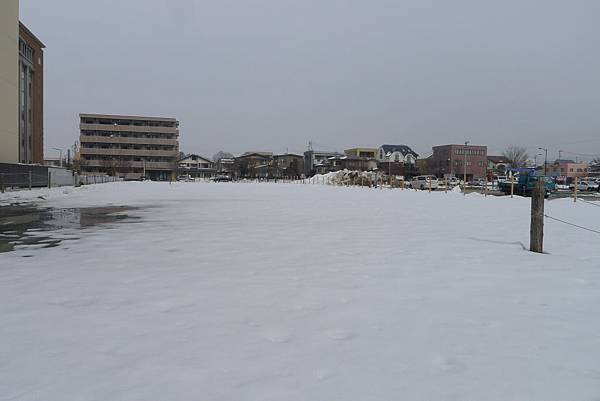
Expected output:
(262, 291)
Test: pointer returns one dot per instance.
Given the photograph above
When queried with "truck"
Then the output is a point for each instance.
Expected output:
(525, 182)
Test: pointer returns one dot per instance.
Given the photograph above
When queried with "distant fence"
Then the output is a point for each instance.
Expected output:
(95, 179)
(14, 176)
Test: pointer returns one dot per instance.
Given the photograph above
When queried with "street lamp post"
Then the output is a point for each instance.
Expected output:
(545, 159)
(60, 150)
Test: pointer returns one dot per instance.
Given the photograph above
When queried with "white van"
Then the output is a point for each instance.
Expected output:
(424, 182)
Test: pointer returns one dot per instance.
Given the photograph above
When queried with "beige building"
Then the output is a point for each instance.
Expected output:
(370, 153)
(131, 147)
(9, 81)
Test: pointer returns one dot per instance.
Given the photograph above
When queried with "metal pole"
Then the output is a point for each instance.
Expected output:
(575, 189)
(30, 180)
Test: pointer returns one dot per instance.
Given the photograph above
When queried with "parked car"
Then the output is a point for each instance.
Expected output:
(478, 182)
(453, 181)
(425, 182)
(222, 178)
(593, 185)
(183, 178)
(581, 186)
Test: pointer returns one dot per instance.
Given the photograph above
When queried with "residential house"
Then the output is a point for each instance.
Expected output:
(194, 166)
(287, 165)
(225, 166)
(397, 154)
(369, 153)
(317, 162)
(497, 165)
(349, 162)
(254, 165)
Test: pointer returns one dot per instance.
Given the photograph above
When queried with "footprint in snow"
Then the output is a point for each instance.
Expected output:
(341, 335)
(280, 338)
(447, 364)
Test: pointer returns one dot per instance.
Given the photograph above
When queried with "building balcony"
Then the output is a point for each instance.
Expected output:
(121, 140)
(129, 128)
(129, 152)
(130, 164)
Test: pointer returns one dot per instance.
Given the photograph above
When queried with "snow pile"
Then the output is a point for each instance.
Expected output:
(347, 178)
(303, 292)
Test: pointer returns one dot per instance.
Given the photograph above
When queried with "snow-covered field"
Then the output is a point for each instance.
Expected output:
(289, 292)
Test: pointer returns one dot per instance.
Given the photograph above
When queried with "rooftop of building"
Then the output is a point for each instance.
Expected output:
(31, 34)
(125, 117)
(404, 149)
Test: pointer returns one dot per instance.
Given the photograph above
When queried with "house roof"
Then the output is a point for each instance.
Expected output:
(194, 157)
(262, 155)
(265, 154)
(289, 154)
(405, 150)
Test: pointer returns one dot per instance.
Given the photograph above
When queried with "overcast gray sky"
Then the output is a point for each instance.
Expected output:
(272, 74)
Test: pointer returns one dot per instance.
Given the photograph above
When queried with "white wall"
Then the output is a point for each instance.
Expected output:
(9, 81)
(60, 177)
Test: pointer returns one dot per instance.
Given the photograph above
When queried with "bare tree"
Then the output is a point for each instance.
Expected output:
(516, 155)
(222, 155)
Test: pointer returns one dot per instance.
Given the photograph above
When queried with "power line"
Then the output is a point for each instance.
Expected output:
(572, 224)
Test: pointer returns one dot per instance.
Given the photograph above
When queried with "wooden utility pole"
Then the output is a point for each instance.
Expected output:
(536, 231)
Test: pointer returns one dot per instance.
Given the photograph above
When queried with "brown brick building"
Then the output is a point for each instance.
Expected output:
(131, 147)
(31, 97)
(448, 160)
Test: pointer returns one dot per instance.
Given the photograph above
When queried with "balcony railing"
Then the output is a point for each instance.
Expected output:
(129, 152)
(129, 164)
(129, 140)
(128, 128)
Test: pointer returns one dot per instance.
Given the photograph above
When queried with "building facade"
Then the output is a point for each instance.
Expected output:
(254, 165)
(9, 81)
(567, 170)
(449, 160)
(316, 161)
(31, 97)
(194, 166)
(369, 153)
(397, 154)
(288, 165)
(130, 147)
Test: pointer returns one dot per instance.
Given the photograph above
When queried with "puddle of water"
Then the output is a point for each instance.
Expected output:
(30, 227)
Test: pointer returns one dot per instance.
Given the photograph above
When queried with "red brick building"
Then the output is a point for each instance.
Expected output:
(31, 97)
(448, 160)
